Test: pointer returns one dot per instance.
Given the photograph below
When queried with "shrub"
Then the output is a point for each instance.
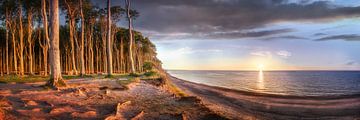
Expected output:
(150, 73)
(148, 66)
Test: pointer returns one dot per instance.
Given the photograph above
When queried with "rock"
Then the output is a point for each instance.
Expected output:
(107, 92)
(113, 117)
(36, 110)
(31, 103)
(184, 116)
(2, 115)
(87, 114)
(103, 88)
(122, 106)
(56, 111)
(119, 109)
(139, 116)
(80, 92)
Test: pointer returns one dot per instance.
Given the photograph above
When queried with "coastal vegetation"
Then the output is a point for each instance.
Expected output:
(90, 41)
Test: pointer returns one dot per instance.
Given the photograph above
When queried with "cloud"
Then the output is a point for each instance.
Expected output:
(346, 37)
(199, 17)
(284, 54)
(267, 54)
(189, 50)
(320, 34)
(286, 37)
(351, 63)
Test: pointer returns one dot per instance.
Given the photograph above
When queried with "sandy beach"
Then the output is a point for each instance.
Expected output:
(246, 105)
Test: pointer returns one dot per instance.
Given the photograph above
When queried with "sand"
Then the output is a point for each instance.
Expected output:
(246, 105)
(98, 99)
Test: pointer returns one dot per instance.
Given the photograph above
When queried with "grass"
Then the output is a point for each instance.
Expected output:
(38, 78)
(67, 77)
(24, 79)
(176, 90)
(130, 79)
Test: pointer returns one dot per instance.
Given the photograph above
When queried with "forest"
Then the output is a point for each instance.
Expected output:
(91, 39)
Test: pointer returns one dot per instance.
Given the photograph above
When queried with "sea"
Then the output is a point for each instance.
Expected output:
(294, 83)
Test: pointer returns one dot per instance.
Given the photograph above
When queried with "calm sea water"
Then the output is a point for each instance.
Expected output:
(299, 83)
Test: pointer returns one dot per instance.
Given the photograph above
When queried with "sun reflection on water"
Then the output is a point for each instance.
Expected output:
(260, 83)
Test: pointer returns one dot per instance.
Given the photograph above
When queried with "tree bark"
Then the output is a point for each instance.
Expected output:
(130, 37)
(55, 78)
(29, 40)
(45, 46)
(82, 60)
(7, 40)
(14, 47)
(108, 42)
(21, 41)
(71, 35)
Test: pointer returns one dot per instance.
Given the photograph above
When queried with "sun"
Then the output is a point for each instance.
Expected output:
(260, 66)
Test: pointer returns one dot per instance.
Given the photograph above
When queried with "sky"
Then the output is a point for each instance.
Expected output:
(244, 34)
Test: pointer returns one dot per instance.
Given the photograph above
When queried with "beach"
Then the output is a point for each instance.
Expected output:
(247, 105)
(99, 99)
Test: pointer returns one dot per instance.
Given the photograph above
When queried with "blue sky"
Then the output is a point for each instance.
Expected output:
(242, 34)
(277, 53)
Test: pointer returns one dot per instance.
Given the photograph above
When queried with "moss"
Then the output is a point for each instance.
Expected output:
(77, 76)
(135, 74)
(55, 84)
(23, 79)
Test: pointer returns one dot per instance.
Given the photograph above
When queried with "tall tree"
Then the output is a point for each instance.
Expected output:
(108, 41)
(30, 10)
(21, 40)
(71, 8)
(82, 60)
(132, 65)
(55, 78)
(45, 45)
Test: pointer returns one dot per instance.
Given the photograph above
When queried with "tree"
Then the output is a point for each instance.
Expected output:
(30, 6)
(45, 45)
(55, 78)
(21, 40)
(82, 60)
(108, 42)
(130, 37)
(71, 8)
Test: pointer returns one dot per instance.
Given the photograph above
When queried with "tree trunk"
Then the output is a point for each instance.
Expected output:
(82, 60)
(55, 78)
(108, 42)
(29, 40)
(21, 40)
(71, 35)
(7, 41)
(14, 48)
(130, 37)
(47, 40)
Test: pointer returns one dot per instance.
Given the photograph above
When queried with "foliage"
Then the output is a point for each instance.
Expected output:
(150, 73)
(147, 66)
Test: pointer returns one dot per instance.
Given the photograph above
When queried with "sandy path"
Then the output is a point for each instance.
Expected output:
(245, 105)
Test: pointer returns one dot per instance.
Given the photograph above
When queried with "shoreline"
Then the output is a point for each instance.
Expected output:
(244, 105)
(325, 97)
